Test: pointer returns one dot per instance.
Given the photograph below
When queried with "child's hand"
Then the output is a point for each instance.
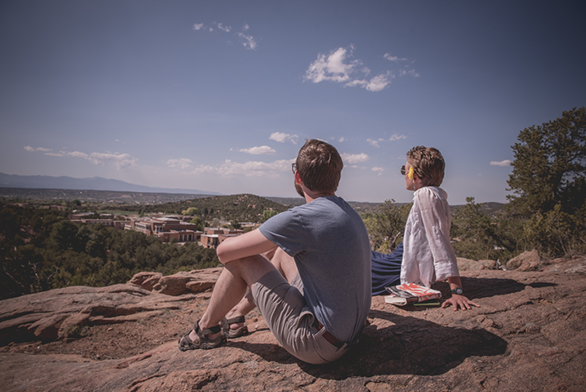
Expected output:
(459, 300)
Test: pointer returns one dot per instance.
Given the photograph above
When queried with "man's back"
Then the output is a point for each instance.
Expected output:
(331, 248)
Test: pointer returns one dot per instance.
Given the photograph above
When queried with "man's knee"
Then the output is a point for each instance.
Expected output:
(250, 268)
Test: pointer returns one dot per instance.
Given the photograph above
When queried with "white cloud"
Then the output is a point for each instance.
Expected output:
(224, 28)
(283, 137)
(374, 142)
(340, 67)
(397, 137)
(505, 163)
(76, 154)
(354, 158)
(30, 149)
(342, 139)
(248, 41)
(377, 83)
(380, 82)
(393, 58)
(183, 163)
(262, 150)
(410, 72)
(378, 170)
(121, 161)
(247, 169)
(335, 67)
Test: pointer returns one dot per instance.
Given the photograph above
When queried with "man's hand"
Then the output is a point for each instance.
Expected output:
(459, 300)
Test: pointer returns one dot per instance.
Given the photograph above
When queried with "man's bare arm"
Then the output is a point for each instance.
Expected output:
(248, 244)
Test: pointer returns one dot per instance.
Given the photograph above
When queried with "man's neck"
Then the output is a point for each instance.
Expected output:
(311, 196)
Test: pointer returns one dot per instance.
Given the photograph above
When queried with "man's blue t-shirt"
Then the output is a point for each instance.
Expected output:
(331, 248)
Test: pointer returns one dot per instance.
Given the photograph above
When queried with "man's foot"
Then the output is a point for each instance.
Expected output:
(234, 327)
(206, 339)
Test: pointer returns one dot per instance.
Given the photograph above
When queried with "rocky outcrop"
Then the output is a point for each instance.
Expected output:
(194, 281)
(63, 312)
(529, 334)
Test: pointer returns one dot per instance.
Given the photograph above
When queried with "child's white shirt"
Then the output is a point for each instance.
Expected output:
(428, 254)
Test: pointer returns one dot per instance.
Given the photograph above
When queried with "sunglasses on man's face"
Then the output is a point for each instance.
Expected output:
(403, 170)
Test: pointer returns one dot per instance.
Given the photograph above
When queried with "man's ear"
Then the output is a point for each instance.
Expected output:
(298, 178)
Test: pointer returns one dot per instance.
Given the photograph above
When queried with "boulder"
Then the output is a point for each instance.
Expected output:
(180, 283)
(526, 261)
(473, 265)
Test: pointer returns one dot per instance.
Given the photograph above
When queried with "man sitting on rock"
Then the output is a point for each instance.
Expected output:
(317, 313)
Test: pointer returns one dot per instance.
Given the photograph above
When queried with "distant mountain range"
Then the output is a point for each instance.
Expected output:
(94, 183)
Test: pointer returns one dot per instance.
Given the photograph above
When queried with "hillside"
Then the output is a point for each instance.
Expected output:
(243, 208)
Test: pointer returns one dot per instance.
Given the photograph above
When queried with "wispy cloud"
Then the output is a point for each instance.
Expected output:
(506, 162)
(247, 169)
(377, 83)
(378, 170)
(395, 59)
(375, 142)
(30, 149)
(182, 163)
(121, 161)
(261, 150)
(283, 137)
(354, 158)
(225, 28)
(247, 40)
(395, 137)
(342, 139)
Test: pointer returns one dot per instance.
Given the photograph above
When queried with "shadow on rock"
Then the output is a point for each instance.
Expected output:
(491, 287)
(411, 346)
(267, 351)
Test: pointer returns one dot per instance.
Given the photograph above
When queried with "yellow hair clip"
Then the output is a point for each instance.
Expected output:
(411, 171)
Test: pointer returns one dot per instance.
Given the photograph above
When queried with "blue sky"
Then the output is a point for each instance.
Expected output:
(220, 95)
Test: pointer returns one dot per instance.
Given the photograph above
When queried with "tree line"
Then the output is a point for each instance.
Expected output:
(41, 250)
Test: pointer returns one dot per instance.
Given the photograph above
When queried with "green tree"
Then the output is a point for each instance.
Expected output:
(550, 166)
(386, 226)
(549, 184)
(198, 223)
(268, 214)
(191, 211)
(479, 236)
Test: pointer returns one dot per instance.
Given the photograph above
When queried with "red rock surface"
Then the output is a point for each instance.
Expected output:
(528, 335)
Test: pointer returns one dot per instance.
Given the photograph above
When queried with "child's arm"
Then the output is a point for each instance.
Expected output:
(457, 299)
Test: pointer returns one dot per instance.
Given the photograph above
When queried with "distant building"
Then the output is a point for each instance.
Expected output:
(166, 228)
(212, 237)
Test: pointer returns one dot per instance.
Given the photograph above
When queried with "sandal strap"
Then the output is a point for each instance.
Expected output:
(212, 330)
(236, 320)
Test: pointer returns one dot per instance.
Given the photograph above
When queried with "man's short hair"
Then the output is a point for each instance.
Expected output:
(319, 166)
(428, 163)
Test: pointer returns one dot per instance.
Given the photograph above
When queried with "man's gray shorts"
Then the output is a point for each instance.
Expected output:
(286, 313)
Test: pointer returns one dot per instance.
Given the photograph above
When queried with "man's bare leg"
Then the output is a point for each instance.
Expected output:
(285, 264)
(230, 289)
